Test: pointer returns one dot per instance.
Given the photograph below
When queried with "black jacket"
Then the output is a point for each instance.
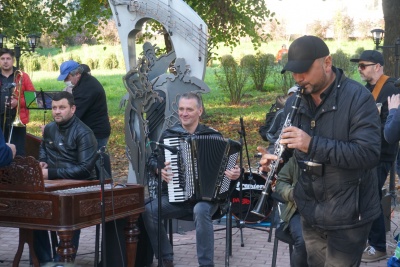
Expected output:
(388, 151)
(91, 105)
(345, 131)
(69, 150)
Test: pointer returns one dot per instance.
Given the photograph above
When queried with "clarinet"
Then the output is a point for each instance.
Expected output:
(278, 150)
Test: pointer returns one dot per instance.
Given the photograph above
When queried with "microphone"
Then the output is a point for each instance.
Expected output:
(397, 83)
(9, 86)
(172, 149)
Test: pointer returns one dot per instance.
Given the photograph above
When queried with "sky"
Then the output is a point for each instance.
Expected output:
(299, 13)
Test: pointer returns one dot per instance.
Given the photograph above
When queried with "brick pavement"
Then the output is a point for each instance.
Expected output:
(257, 251)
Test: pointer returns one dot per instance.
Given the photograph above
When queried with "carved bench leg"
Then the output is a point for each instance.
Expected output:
(66, 249)
(25, 236)
(131, 239)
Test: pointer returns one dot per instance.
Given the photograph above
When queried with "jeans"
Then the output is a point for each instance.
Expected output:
(101, 142)
(202, 215)
(42, 247)
(299, 254)
(335, 248)
(377, 236)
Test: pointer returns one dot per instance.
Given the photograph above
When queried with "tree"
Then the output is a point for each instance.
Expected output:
(57, 18)
(227, 20)
(391, 11)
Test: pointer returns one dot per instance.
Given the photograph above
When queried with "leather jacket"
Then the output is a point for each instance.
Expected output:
(69, 150)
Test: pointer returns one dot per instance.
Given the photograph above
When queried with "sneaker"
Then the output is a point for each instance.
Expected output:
(371, 255)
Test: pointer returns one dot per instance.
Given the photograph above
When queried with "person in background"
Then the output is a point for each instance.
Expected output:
(69, 86)
(392, 125)
(335, 138)
(281, 52)
(68, 151)
(8, 110)
(285, 183)
(189, 111)
(90, 99)
(370, 67)
(273, 119)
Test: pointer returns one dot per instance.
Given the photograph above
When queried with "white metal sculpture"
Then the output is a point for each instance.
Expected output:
(152, 92)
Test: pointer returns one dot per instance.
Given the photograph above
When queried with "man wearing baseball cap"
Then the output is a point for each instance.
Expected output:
(370, 67)
(90, 99)
(335, 137)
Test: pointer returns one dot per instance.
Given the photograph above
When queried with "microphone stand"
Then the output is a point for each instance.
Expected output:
(242, 141)
(103, 211)
(160, 165)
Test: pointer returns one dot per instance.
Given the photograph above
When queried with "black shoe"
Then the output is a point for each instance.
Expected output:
(167, 263)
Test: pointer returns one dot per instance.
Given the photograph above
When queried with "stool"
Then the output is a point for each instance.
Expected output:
(282, 235)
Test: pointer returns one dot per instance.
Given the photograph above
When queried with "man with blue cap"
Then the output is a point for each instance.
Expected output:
(90, 99)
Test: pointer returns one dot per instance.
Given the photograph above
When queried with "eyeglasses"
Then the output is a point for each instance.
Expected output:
(362, 66)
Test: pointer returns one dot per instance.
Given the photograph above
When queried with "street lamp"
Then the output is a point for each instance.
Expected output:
(377, 36)
(33, 41)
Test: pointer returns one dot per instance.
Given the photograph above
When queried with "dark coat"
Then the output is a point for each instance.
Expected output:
(91, 105)
(69, 150)
(346, 140)
(388, 151)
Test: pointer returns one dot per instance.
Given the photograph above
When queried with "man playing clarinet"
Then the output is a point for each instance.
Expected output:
(190, 110)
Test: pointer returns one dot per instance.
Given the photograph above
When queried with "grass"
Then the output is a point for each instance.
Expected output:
(219, 113)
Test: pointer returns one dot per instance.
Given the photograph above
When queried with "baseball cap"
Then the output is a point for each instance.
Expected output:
(303, 52)
(370, 55)
(292, 89)
(65, 68)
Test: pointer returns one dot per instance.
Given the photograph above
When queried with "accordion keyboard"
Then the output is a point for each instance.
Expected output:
(176, 192)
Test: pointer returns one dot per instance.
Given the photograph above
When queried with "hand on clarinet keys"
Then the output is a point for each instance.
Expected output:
(293, 137)
(166, 172)
(266, 159)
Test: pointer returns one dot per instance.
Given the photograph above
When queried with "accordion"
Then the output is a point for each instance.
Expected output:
(199, 167)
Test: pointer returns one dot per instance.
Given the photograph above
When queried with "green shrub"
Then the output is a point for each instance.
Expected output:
(30, 63)
(342, 60)
(282, 82)
(258, 67)
(232, 78)
(111, 62)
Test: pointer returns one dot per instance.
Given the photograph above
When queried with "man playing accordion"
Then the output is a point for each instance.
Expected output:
(190, 110)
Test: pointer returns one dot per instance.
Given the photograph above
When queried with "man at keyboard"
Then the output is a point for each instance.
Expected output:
(68, 151)
(190, 110)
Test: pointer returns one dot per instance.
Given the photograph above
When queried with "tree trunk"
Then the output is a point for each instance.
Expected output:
(391, 14)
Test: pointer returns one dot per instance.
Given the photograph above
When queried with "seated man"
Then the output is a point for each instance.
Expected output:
(189, 110)
(287, 178)
(68, 151)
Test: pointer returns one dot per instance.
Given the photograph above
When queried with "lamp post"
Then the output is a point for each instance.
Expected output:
(377, 36)
(33, 41)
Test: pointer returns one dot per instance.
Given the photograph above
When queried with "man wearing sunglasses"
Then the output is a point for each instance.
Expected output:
(370, 67)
